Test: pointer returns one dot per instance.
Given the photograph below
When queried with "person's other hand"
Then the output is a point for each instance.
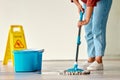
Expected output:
(84, 22)
(80, 8)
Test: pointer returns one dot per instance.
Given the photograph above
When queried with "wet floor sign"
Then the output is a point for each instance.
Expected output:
(16, 41)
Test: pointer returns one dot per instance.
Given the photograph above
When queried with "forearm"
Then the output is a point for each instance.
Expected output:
(89, 12)
(76, 2)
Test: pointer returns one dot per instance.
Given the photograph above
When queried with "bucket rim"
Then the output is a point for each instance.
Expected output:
(29, 50)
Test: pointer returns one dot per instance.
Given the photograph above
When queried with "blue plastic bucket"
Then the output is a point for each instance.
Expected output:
(27, 60)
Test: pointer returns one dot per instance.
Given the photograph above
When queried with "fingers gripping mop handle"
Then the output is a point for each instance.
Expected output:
(78, 38)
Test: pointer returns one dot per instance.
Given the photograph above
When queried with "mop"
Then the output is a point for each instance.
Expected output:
(76, 70)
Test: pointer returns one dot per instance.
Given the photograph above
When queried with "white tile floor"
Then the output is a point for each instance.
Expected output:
(50, 72)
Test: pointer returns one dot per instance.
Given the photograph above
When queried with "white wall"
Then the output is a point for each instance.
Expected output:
(51, 24)
(113, 30)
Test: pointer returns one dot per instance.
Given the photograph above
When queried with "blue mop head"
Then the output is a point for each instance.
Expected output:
(76, 70)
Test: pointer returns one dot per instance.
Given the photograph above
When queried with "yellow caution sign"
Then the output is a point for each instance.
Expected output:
(16, 41)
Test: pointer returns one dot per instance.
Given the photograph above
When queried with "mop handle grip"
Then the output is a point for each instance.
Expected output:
(81, 15)
(78, 38)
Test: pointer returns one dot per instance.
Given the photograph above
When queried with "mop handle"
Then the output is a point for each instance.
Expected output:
(78, 38)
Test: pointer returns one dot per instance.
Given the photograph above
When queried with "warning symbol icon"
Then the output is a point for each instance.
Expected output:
(18, 44)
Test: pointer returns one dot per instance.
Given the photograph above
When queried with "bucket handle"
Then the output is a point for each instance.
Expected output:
(42, 50)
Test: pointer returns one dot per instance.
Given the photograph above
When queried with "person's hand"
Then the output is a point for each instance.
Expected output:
(84, 22)
(80, 8)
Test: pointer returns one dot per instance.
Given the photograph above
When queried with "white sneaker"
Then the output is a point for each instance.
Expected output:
(85, 65)
(95, 66)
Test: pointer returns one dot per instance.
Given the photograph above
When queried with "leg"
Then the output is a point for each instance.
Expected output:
(98, 59)
(89, 40)
(100, 17)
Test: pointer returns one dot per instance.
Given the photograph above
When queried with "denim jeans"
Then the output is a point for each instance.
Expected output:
(95, 30)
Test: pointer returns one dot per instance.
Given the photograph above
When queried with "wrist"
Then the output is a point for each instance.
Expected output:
(87, 19)
(79, 6)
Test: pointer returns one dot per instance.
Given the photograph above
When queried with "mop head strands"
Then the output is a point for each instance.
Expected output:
(75, 71)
